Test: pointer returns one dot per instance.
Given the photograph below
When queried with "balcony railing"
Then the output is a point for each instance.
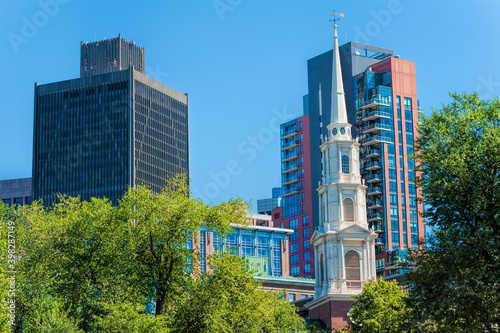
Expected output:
(291, 189)
(375, 204)
(374, 139)
(374, 152)
(376, 101)
(289, 166)
(374, 190)
(375, 217)
(372, 165)
(287, 178)
(376, 127)
(289, 143)
(378, 228)
(289, 131)
(289, 154)
(373, 177)
(374, 114)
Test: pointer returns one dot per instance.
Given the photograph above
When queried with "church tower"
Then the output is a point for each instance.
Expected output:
(344, 247)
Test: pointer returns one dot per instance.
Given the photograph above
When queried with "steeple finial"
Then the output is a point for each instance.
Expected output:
(338, 111)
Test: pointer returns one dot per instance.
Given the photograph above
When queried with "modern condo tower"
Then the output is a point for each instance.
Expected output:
(111, 128)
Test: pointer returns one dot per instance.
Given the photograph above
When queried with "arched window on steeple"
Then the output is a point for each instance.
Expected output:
(348, 210)
(352, 269)
(345, 164)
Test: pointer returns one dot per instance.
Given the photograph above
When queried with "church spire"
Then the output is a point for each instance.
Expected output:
(339, 110)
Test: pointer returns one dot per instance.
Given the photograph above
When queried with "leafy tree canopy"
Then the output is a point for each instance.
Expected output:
(456, 283)
(380, 307)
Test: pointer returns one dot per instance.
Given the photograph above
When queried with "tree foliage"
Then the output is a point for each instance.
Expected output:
(456, 283)
(380, 307)
(84, 258)
(230, 300)
(93, 267)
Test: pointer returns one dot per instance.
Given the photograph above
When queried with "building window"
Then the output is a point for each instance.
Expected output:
(300, 125)
(302, 161)
(307, 256)
(305, 220)
(294, 247)
(294, 271)
(262, 247)
(345, 164)
(277, 257)
(348, 210)
(305, 232)
(202, 252)
(392, 161)
(294, 236)
(294, 259)
(303, 208)
(306, 244)
(294, 223)
(246, 245)
(303, 296)
(301, 149)
(352, 269)
(301, 138)
(217, 243)
(303, 196)
(307, 268)
(301, 173)
(302, 185)
(231, 244)
(291, 297)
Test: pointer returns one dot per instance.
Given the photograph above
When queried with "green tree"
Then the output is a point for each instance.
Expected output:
(129, 317)
(231, 300)
(380, 307)
(80, 256)
(5, 298)
(456, 281)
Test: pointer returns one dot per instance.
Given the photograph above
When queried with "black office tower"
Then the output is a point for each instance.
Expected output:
(111, 128)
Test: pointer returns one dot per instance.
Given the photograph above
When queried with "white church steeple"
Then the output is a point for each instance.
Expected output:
(344, 247)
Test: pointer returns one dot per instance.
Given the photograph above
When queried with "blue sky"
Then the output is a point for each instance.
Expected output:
(243, 63)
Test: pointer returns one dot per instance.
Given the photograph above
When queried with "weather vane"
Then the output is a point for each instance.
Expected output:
(336, 17)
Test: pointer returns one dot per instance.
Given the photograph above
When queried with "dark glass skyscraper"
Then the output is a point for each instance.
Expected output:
(111, 128)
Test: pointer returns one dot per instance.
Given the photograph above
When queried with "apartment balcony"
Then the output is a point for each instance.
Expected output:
(375, 114)
(289, 132)
(372, 165)
(376, 127)
(375, 204)
(290, 178)
(420, 109)
(374, 191)
(288, 155)
(289, 143)
(376, 139)
(375, 217)
(378, 228)
(376, 101)
(291, 166)
(371, 153)
(373, 177)
(379, 242)
(291, 189)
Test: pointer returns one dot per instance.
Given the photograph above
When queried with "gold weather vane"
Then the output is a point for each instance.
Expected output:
(336, 17)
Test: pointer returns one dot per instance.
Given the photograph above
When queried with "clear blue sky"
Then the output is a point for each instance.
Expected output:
(243, 63)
